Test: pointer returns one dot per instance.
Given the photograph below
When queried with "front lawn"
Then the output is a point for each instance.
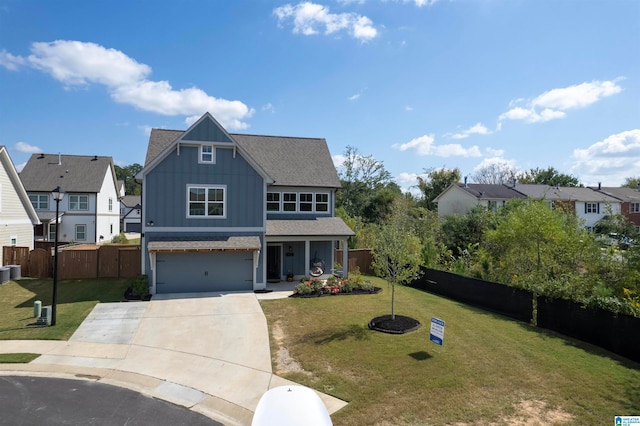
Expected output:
(490, 370)
(76, 298)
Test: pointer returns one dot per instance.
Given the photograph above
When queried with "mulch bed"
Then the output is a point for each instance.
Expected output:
(129, 296)
(399, 325)
(375, 290)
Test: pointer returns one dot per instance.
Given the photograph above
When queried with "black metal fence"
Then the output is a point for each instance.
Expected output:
(617, 333)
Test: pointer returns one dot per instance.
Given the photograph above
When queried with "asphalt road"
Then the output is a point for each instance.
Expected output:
(51, 401)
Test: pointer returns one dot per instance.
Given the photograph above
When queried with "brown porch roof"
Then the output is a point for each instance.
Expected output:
(218, 244)
(322, 226)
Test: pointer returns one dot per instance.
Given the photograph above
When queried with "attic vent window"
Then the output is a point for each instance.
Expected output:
(207, 154)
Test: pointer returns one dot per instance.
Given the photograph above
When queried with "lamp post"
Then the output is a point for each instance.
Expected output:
(57, 195)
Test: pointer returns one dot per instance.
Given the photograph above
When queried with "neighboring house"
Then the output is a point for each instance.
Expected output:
(130, 213)
(630, 199)
(227, 212)
(17, 215)
(589, 205)
(459, 198)
(90, 209)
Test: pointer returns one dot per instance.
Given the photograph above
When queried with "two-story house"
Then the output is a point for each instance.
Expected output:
(89, 211)
(17, 215)
(131, 213)
(227, 212)
(459, 198)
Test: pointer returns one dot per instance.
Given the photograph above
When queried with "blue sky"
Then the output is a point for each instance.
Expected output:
(417, 84)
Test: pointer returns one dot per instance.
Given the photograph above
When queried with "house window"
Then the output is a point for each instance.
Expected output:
(493, 205)
(206, 201)
(591, 207)
(110, 204)
(78, 202)
(322, 202)
(289, 201)
(39, 202)
(207, 154)
(273, 201)
(52, 231)
(306, 202)
(13, 241)
(634, 208)
(81, 232)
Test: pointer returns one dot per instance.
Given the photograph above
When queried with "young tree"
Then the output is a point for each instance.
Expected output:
(127, 174)
(434, 183)
(397, 254)
(632, 182)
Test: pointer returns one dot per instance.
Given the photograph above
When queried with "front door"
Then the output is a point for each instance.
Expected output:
(274, 268)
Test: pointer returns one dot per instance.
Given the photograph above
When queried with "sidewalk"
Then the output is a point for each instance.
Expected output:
(207, 352)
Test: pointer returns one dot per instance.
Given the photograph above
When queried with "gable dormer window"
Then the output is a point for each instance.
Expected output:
(207, 154)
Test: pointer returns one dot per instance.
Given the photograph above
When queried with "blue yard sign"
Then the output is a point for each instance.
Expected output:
(437, 331)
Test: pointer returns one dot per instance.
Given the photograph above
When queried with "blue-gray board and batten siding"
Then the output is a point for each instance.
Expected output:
(169, 180)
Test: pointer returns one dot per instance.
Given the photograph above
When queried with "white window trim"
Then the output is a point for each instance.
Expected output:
(273, 202)
(314, 203)
(40, 197)
(201, 153)
(78, 209)
(206, 187)
(80, 225)
(634, 210)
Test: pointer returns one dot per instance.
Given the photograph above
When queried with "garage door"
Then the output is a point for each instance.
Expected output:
(191, 272)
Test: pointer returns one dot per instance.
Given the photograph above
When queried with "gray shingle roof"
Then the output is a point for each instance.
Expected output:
(490, 191)
(131, 200)
(213, 244)
(73, 173)
(623, 193)
(323, 226)
(289, 161)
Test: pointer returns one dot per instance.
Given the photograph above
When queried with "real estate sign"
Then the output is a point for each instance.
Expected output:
(436, 334)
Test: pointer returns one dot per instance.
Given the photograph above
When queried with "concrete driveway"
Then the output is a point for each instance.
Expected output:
(208, 351)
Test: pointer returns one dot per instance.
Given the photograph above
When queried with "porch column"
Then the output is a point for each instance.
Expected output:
(307, 257)
(345, 259)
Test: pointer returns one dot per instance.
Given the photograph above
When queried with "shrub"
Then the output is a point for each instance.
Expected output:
(120, 239)
(140, 286)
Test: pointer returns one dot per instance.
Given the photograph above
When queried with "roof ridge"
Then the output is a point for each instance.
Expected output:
(276, 136)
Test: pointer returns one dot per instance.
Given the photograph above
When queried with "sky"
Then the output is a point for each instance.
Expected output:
(416, 84)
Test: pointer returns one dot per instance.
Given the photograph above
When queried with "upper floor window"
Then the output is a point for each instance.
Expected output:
(273, 201)
(302, 202)
(207, 154)
(306, 202)
(634, 208)
(493, 205)
(78, 202)
(591, 207)
(39, 202)
(206, 201)
(289, 202)
(110, 204)
(322, 202)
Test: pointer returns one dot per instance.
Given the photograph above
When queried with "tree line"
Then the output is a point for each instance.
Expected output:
(525, 244)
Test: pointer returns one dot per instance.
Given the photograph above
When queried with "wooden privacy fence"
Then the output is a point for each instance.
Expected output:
(358, 259)
(102, 262)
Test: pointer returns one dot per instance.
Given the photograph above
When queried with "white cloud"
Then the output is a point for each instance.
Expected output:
(421, 3)
(609, 161)
(26, 148)
(354, 97)
(553, 103)
(268, 107)
(338, 160)
(424, 145)
(477, 129)
(76, 63)
(311, 18)
(9, 61)
(408, 182)
(408, 108)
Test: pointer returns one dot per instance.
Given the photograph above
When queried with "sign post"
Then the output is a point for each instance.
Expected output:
(436, 334)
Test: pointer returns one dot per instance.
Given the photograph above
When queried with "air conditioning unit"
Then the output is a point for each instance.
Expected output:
(45, 316)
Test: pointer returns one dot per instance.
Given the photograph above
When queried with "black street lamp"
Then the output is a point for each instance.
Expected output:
(57, 195)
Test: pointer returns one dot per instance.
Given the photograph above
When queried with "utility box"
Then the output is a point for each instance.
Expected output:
(5, 275)
(37, 308)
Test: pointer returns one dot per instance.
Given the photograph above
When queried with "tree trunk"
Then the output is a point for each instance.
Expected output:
(393, 296)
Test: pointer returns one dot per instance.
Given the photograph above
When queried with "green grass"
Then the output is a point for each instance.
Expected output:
(76, 298)
(491, 369)
(18, 358)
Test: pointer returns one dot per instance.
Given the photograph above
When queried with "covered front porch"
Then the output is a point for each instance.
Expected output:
(303, 248)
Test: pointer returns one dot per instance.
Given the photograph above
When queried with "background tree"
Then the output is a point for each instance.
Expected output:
(397, 253)
(361, 177)
(462, 231)
(434, 183)
(127, 174)
(632, 182)
(495, 174)
(549, 176)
